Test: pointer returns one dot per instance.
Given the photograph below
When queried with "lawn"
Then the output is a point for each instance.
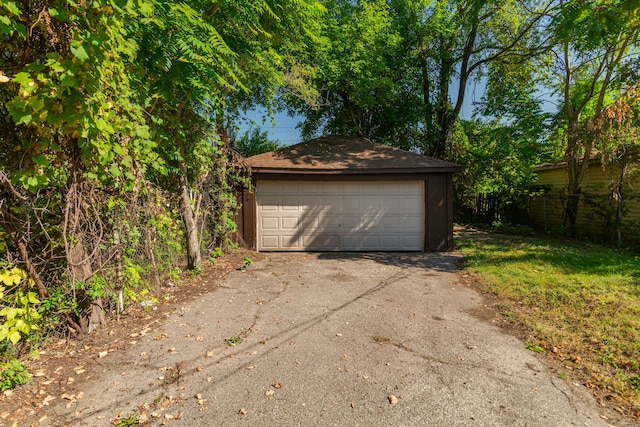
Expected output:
(578, 303)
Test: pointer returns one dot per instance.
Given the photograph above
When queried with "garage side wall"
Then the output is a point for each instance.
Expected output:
(439, 209)
(438, 199)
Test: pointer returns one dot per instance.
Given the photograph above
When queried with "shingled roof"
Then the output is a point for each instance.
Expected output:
(348, 155)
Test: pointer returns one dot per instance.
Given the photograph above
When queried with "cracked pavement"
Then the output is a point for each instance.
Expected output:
(331, 339)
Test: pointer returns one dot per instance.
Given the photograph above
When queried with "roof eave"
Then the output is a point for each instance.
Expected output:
(365, 171)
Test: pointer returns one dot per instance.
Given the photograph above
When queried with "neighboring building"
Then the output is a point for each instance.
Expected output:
(597, 212)
(339, 193)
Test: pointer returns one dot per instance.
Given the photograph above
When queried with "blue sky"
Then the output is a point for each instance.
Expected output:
(283, 127)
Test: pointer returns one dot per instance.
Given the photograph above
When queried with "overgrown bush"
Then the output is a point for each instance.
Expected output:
(12, 374)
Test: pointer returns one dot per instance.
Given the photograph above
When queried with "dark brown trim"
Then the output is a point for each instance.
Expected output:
(385, 171)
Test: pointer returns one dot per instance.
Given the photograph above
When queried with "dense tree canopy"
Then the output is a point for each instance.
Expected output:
(112, 119)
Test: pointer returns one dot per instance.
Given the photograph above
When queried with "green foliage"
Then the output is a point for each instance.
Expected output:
(255, 141)
(12, 374)
(54, 309)
(388, 69)
(497, 160)
(536, 348)
(18, 312)
(130, 421)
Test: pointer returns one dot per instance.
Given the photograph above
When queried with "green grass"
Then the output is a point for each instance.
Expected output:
(579, 302)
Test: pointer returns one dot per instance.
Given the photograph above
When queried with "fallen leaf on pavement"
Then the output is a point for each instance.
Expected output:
(48, 399)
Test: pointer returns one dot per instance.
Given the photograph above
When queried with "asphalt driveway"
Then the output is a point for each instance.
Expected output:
(331, 339)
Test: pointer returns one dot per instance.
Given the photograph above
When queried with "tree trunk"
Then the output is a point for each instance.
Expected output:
(194, 258)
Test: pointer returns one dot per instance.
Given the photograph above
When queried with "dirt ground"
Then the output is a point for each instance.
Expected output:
(305, 339)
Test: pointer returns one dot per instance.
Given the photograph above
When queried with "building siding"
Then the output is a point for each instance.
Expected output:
(596, 213)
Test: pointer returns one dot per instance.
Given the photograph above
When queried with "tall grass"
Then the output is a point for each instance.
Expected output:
(578, 302)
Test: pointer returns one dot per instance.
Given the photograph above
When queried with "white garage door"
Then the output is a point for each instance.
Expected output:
(340, 216)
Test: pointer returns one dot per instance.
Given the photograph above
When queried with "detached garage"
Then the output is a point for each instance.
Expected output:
(339, 193)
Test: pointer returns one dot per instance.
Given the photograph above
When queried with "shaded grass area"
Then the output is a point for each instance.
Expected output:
(579, 303)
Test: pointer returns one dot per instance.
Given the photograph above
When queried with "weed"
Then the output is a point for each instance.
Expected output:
(536, 348)
(381, 339)
(129, 421)
(215, 254)
(563, 376)
(13, 374)
(247, 262)
(175, 274)
(197, 270)
(234, 340)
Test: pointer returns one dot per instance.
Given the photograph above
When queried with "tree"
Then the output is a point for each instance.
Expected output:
(196, 59)
(395, 85)
(108, 102)
(254, 141)
(594, 38)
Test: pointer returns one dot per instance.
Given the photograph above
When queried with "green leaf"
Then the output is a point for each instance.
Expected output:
(22, 78)
(10, 313)
(69, 80)
(40, 160)
(14, 337)
(118, 150)
(114, 170)
(78, 51)
(12, 7)
(32, 298)
(26, 119)
(32, 182)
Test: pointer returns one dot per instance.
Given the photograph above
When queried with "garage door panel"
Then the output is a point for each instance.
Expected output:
(290, 241)
(350, 223)
(289, 223)
(350, 243)
(347, 216)
(308, 203)
(270, 206)
(269, 223)
(331, 188)
(411, 223)
(270, 242)
(330, 223)
(370, 204)
(371, 242)
(411, 240)
(322, 242)
(330, 205)
(391, 241)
